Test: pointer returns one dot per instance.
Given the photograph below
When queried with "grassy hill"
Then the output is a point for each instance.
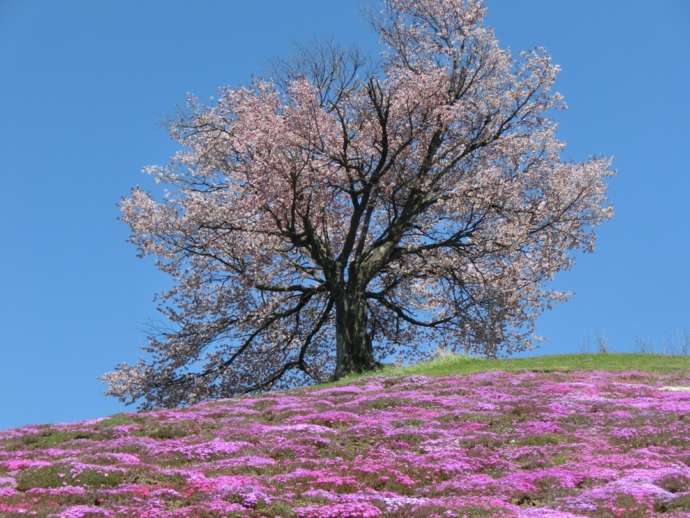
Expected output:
(551, 436)
(446, 365)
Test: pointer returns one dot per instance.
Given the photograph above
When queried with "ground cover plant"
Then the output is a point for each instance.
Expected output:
(544, 437)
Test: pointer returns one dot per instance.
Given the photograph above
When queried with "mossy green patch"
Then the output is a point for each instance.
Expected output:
(152, 478)
(437, 510)
(646, 440)
(51, 438)
(384, 403)
(165, 431)
(59, 474)
(674, 483)
(623, 506)
(119, 420)
(540, 440)
(680, 503)
(45, 476)
(276, 508)
(95, 478)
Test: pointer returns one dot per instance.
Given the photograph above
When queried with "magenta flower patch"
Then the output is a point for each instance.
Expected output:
(530, 445)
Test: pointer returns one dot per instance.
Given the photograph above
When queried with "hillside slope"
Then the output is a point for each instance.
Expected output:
(534, 439)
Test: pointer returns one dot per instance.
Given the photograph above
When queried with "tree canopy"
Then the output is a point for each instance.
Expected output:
(349, 210)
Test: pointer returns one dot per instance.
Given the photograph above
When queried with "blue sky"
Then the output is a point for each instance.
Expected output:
(86, 87)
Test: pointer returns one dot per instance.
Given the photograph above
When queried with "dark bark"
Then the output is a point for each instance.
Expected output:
(354, 347)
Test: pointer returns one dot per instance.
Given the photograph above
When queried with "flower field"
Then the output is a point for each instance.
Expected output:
(525, 444)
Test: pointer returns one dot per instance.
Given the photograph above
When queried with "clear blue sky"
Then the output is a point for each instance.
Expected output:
(85, 87)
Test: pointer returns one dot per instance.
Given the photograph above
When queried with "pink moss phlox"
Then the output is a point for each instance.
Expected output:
(318, 477)
(165, 492)
(76, 468)
(349, 510)
(79, 511)
(329, 417)
(393, 503)
(246, 461)
(343, 389)
(13, 465)
(544, 512)
(224, 484)
(125, 458)
(596, 445)
(7, 491)
(210, 449)
(298, 427)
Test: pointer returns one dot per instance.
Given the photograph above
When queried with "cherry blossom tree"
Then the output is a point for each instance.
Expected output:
(346, 213)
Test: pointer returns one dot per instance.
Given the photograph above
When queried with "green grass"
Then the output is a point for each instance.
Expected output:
(58, 475)
(119, 420)
(49, 438)
(447, 365)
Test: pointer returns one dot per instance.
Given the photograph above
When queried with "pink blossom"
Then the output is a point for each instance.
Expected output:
(79, 511)
(422, 200)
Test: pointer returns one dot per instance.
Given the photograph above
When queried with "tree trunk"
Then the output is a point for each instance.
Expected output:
(354, 350)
